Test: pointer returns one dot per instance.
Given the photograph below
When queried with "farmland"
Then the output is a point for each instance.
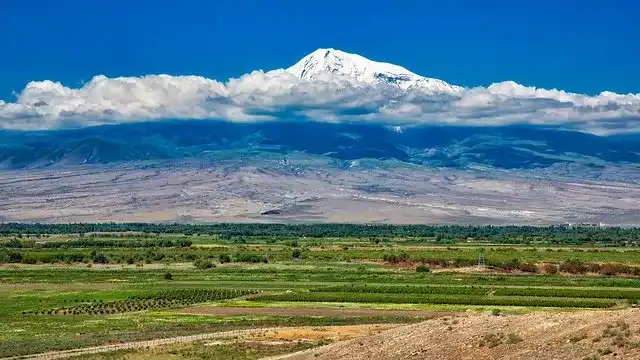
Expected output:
(78, 285)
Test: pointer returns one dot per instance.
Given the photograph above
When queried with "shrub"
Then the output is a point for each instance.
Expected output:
(422, 268)
(296, 254)
(15, 257)
(168, 276)
(28, 259)
(394, 259)
(224, 258)
(577, 337)
(100, 259)
(491, 340)
(604, 351)
(528, 267)
(508, 265)
(573, 266)
(550, 269)
(250, 258)
(203, 264)
(594, 267)
(513, 338)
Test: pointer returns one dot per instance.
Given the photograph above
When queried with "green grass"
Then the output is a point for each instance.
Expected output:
(610, 293)
(332, 272)
(300, 275)
(60, 333)
(454, 299)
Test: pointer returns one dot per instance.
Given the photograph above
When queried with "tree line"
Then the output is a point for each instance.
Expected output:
(443, 233)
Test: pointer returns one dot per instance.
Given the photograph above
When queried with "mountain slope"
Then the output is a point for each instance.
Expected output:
(52, 151)
(509, 147)
(358, 68)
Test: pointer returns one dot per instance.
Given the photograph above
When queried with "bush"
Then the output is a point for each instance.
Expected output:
(250, 258)
(513, 338)
(422, 268)
(594, 268)
(510, 265)
(224, 258)
(296, 254)
(573, 266)
(100, 259)
(394, 259)
(15, 257)
(203, 264)
(168, 276)
(550, 269)
(29, 259)
(604, 351)
(528, 267)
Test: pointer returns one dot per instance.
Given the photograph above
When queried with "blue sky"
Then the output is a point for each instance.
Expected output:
(504, 53)
(580, 46)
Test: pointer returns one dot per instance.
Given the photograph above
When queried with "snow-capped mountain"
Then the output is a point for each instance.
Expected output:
(358, 68)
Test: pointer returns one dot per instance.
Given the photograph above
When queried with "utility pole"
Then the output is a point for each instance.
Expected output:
(481, 257)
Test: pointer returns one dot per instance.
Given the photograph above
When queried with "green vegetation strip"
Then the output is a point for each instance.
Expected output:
(488, 290)
(437, 299)
(292, 275)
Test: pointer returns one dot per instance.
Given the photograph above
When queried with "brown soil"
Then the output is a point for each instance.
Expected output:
(586, 334)
(333, 333)
(337, 312)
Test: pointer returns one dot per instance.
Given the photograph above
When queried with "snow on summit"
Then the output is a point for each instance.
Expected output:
(355, 67)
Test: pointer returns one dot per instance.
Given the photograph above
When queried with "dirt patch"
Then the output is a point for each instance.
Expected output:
(337, 312)
(541, 335)
(469, 270)
(333, 333)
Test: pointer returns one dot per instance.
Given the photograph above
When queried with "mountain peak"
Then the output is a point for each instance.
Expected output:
(324, 61)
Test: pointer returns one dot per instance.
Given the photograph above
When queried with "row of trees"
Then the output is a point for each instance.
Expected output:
(505, 234)
(97, 243)
(199, 258)
(569, 266)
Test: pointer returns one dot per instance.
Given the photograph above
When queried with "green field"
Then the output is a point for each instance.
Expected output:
(72, 286)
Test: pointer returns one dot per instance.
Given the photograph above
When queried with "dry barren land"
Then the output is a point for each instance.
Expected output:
(540, 335)
(273, 192)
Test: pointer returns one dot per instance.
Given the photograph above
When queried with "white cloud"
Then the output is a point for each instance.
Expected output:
(278, 94)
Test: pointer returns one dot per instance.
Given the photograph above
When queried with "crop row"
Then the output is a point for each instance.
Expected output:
(158, 300)
(336, 274)
(486, 290)
(437, 299)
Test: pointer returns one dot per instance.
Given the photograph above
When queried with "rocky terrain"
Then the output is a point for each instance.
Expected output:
(580, 335)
